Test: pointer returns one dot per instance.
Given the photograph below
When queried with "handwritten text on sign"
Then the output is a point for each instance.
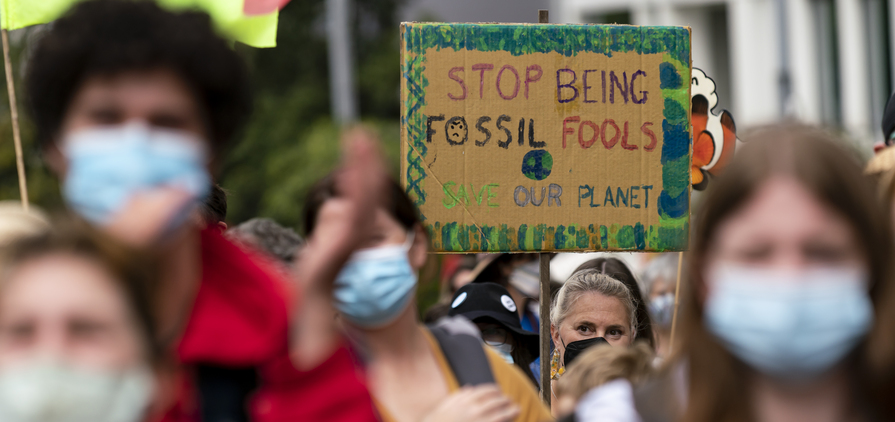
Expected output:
(533, 145)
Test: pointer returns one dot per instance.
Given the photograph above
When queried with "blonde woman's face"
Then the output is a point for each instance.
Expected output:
(594, 315)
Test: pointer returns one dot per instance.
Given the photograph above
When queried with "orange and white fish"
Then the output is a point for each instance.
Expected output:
(714, 136)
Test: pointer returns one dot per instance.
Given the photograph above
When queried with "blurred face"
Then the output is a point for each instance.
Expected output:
(156, 98)
(594, 315)
(67, 307)
(147, 181)
(661, 286)
(375, 288)
(386, 231)
(786, 284)
(783, 227)
(495, 333)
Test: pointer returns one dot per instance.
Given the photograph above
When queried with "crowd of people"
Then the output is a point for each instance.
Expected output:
(139, 304)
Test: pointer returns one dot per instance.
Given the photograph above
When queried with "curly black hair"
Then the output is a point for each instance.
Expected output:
(108, 37)
(214, 207)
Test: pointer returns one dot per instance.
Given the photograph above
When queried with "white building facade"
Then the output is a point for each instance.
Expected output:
(819, 61)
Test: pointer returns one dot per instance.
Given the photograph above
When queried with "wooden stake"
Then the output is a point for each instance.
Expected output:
(545, 326)
(544, 17)
(14, 112)
(677, 295)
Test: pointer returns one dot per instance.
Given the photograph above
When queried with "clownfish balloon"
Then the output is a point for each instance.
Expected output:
(714, 136)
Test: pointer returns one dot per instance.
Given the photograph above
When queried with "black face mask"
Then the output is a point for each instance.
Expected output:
(575, 348)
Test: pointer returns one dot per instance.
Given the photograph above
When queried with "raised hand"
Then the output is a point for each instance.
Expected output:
(151, 215)
(361, 183)
(342, 224)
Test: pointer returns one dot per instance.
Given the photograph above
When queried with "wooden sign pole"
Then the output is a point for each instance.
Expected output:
(545, 327)
(14, 111)
(543, 17)
(677, 295)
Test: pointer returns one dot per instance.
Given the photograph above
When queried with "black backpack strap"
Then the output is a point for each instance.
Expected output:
(461, 343)
(224, 392)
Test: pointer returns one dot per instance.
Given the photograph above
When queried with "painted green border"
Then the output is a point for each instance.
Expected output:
(672, 232)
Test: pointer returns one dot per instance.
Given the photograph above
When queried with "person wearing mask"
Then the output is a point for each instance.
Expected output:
(133, 107)
(790, 263)
(659, 278)
(491, 308)
(77, 339)
(591, 308)
(514, 273)
(617, 269)
(411, 375)
(518, 273)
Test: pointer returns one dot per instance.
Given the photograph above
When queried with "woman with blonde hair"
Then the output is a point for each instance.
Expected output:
(591, 308)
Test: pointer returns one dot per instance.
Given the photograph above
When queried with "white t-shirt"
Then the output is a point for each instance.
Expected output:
(610, 402)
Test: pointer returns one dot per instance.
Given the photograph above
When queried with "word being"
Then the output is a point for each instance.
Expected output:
(630, 197)
(601, 131)
(533, 73)
(524, 196)
(456, 131)
(455, 194)
(567, 90)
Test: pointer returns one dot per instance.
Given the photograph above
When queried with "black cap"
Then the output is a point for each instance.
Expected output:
(889, 120)
(481, 302)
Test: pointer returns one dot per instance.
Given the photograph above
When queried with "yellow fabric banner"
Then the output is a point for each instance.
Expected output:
(256, 31)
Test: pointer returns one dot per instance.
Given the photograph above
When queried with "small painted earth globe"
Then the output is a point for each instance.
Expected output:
(537, 164)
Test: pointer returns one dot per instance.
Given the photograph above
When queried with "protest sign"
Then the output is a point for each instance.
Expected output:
(547, 137)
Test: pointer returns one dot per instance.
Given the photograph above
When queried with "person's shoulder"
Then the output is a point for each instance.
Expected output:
(518, 388)
(240, 313)
(227, 261)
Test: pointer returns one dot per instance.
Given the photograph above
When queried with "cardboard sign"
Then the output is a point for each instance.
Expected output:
(547, 137)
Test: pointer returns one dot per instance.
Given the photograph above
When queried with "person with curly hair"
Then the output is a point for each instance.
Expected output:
(134, 107)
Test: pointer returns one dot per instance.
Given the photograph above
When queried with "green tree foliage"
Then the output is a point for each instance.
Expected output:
(291, 141)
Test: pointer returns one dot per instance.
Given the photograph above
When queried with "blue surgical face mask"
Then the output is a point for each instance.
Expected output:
(793, 324)
(505, 350)
(376, 285)
(108, 165)
(661, 309)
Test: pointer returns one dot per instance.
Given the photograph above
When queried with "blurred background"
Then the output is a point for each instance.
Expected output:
(820, 61)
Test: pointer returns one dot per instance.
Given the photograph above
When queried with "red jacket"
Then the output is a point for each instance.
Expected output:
(241, 319)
